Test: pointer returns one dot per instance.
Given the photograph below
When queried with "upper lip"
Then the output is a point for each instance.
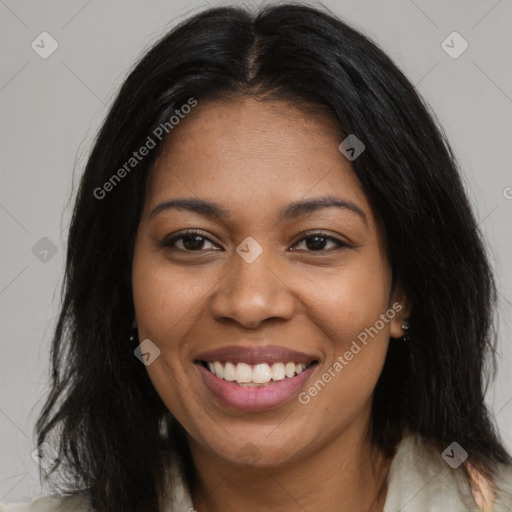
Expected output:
(255, 355)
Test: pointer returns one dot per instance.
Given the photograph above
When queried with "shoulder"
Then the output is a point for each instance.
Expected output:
(52, 503)
(420, 475)
(492, 495)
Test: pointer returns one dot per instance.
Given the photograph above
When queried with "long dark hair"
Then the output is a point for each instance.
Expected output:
(113, 432)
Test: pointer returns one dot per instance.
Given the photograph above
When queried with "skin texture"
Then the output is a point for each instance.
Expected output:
(255, 158)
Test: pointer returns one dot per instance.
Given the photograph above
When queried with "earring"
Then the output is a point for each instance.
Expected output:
(405, 328)
(134, 331)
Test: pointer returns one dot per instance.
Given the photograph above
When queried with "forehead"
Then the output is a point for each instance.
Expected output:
(248, 152)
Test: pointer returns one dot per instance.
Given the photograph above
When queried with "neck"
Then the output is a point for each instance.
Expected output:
(347, 474)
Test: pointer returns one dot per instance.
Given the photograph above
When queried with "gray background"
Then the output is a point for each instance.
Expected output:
(51, 109)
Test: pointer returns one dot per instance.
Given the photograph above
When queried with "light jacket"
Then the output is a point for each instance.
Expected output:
(419, 480)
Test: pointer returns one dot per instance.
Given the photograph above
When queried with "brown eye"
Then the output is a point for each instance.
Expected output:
(316, 242)
(189, 241)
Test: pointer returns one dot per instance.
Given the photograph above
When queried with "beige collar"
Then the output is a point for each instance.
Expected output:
(419, 480)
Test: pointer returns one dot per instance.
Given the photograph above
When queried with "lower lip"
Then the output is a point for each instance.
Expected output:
(254, 398)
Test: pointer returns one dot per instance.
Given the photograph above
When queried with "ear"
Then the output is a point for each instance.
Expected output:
(401, 304)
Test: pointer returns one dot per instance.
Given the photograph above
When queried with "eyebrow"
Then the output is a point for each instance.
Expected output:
(294, 210)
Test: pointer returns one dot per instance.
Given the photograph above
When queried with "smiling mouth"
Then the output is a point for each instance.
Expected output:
(255, 375)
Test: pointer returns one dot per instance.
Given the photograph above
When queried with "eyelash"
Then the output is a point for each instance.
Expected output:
(169, 244)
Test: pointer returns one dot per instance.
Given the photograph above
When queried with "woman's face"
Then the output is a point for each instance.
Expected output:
(249, 294)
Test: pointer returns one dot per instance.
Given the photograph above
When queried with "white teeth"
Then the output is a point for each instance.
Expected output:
(218, 369)
(278, 371)
(299, 368)
(229, 372)
(243, 373)
(261, 373)
(289, 370)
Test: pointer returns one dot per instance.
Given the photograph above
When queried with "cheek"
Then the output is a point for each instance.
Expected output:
(167, 301)
(167, 304)
(353, 313)
(350, 301)
(354, 316)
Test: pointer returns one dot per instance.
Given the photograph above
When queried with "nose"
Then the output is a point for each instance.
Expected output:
(252, 293)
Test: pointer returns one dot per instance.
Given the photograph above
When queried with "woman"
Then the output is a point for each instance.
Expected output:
(276, 295)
